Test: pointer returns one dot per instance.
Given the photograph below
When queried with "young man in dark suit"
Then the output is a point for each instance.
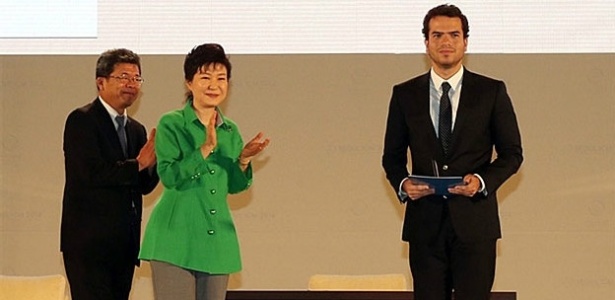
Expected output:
(451, 120)
(109, 165)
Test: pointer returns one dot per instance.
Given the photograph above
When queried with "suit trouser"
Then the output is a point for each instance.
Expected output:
(92, 278)
(448, 264)
(175, 283)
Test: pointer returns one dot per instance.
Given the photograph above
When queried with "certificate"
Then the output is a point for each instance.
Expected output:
(439, 184)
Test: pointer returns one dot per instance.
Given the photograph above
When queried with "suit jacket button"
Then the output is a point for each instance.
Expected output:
(445, 167)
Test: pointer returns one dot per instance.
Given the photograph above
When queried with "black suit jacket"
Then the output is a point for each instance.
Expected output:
(485, 120)
(102, 203)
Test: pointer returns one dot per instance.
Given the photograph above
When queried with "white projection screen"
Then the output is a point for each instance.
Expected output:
(316, 77)
(305, 26)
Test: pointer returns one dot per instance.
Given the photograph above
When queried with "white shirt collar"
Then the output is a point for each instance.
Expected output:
(454, 81)
(112, 112)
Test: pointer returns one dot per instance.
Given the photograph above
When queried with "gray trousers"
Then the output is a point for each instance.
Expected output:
(175, 283)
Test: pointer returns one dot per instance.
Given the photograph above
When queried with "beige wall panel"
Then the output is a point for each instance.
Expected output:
(320, 202)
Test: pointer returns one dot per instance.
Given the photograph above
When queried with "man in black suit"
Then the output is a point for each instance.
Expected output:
(452, 236)
(109, 165)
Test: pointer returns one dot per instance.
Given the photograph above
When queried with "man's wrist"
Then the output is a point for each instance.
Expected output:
(482, 188)
(401, 194)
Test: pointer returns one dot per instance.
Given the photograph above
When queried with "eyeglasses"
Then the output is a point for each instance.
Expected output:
(124, 78)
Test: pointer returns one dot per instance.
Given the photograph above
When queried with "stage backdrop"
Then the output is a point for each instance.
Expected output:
(320, 202)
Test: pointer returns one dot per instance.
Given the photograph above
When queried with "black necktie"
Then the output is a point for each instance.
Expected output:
(446, 118)
(121, 133)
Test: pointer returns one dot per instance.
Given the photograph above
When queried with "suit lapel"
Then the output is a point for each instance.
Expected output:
(132, 135)
(467, 97)
(108, 128)
(424, 107)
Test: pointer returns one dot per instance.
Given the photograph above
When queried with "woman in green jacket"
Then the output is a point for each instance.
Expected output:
(190, 239)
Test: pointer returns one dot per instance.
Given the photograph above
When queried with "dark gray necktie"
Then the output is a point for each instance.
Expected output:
(121, 133)
(446, 119)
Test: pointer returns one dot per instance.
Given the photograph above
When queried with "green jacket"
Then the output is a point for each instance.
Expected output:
(191, 225)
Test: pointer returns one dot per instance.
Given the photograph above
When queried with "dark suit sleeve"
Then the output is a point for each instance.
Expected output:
(395, 154)
(507, 141)
(90, 157)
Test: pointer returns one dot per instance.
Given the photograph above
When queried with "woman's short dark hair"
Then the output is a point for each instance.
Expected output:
(108, 59)
(203, 56)
(447, 10)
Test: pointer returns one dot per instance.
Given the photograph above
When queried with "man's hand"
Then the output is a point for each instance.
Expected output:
(416, 190)
(147, 155)
(470, 187)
